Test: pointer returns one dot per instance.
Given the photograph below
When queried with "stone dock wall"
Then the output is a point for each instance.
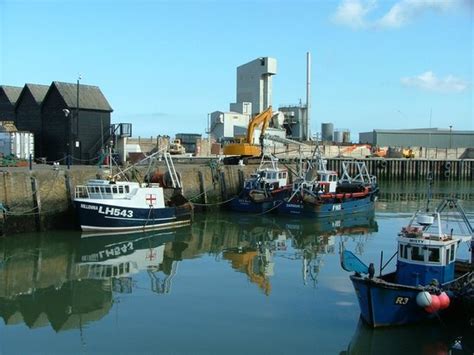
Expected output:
(41, 198)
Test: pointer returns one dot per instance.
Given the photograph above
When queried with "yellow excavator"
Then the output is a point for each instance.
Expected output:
(243, 147)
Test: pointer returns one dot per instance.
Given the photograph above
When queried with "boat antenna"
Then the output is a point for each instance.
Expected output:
(429, 179)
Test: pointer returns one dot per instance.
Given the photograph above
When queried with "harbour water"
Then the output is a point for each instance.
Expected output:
(228, 284)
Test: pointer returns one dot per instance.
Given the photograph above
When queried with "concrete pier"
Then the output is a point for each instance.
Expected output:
(41, 199)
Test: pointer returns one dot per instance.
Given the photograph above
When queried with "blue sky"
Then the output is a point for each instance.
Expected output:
(164, 65)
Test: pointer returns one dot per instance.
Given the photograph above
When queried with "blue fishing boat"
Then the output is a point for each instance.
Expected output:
(429, 281)
(320, 193)
(264, 189)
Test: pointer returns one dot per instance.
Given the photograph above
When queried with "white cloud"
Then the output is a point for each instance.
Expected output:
(355, 13)
(405, 11)
(352, 13)
(430, 82)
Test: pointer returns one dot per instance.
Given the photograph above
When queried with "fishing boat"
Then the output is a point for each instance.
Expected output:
(320, 193)
(429, 282)
(110, 205)
(264, 189)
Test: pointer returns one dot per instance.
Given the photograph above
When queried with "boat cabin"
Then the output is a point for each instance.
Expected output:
(425, 254)
(268, 177)
(320, 181)
(105, 189)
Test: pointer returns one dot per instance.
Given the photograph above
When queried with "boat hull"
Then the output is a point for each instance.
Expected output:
(386, 304)
(106, 218)
(253, 201)
(327, 208)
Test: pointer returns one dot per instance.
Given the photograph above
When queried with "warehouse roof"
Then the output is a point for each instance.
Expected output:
(90, 97)
(420, 131)
(11, 92)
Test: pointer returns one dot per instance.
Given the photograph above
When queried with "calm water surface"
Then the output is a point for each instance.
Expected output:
(229, 284)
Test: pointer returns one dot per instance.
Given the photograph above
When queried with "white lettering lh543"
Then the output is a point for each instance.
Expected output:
(117, 212)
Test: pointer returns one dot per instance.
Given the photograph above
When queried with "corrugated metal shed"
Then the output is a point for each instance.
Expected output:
(90, 97)
(419, 137)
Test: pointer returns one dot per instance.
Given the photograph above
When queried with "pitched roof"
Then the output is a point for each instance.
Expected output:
(90, 97)
(38, 91)
(11, 92)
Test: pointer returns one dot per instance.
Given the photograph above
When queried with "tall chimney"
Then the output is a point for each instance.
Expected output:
(308, 96)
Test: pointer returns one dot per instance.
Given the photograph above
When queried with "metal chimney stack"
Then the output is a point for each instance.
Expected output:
(308, 96)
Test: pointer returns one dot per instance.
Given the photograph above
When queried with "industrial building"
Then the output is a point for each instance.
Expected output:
(254, 85)
(8, 98)
(254, 95)
(295, 122)
(423, 137)
(28, 111)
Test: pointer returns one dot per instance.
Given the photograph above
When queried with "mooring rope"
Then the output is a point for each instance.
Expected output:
(214, 204)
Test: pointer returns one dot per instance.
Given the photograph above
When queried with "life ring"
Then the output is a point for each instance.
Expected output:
(447, 165)
(447, 174)
(382, 164)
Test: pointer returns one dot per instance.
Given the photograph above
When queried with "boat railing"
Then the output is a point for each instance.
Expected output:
(356, 171)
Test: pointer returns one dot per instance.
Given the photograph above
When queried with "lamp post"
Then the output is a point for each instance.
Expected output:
(68, 116)
(77, 108)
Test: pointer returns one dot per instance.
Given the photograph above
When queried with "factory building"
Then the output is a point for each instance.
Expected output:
(254, 85)
(423, 137)
(77, 115)
(295, 122)
(28, 112)
(254, 95)
(226, 125)
(8, 98)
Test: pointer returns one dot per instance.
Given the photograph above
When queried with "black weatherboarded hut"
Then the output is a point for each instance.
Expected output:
(28, 112)
(61, 125)
(8, 97)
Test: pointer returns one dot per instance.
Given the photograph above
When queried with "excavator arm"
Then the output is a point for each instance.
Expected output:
(246, 148)
(262, 118)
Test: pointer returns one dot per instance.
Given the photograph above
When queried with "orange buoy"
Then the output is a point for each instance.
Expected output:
(444, 300)
(435, 304)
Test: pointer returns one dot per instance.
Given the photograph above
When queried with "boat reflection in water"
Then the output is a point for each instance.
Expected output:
(117, 257)
(426, 339)
(66, 280)
(260, 239)
(38, 285)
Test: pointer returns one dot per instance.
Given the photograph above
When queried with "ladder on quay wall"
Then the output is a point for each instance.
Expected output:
(173, 174)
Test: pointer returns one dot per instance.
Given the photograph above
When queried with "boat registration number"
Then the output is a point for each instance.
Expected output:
(111, 211)
(401, 300)
(336, 207)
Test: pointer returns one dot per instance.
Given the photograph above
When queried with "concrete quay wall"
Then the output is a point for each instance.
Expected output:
(41, 199)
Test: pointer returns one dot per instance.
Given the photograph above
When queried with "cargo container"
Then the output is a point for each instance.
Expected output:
(17, 144)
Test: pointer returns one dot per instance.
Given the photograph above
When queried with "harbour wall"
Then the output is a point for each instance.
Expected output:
(41, 198)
